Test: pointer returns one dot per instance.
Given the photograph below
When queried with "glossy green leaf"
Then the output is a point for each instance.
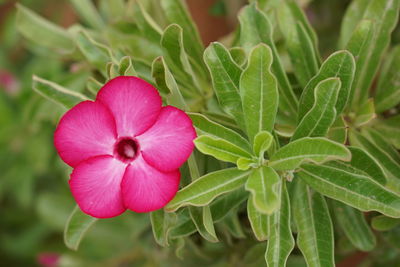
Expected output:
(383, 16)
(225, 74)
(355, 226)
(57, 93)
(384, 223)
(88, 13)
(308, 149)
(340, 64)
(258, 221)
(176, 12)
(314, 226)
(77, 226)
(220, 149)
(264, 185)
(259, 92)
(205, 126)
(43, 32)
(388, 88)
(256, 28)
(262, 142)
(298, 41)
(280, 241)
(322, 114)
(203, 190)
(356, 190)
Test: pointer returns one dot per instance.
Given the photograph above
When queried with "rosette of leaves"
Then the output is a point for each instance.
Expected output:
(290, 145)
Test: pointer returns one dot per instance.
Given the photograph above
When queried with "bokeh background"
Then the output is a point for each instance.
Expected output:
(35, 201)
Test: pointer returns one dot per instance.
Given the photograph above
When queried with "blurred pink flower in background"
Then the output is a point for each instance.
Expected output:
(9, 82)
(48, 259)
(125, 148)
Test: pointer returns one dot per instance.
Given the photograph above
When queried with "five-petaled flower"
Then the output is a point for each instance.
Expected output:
(125, 148)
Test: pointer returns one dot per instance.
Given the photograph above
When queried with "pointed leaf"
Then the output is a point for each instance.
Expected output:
(258, 221)
(340, 64)
(280, 241)
(356, 190)
(225, 74)
(308, 149)
(202, 218)
(256, 28)
(77, 226)
(322, 115)
(355, 226)
(57, 93)
(259, 92)
(161, 223)
(202, 191)
(383, 223)
(314, 226)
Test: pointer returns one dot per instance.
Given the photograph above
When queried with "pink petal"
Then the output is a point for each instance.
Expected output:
(85, 131)
(146, 189)
(169, 142)
(134, 103)
(96, 186)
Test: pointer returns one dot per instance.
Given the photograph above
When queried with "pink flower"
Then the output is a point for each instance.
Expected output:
(125, 149)
(48, 259)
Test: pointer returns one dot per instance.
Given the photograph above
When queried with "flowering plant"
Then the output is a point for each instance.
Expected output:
(290, 145)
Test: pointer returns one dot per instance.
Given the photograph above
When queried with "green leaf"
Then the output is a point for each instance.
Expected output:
(314, 226)
(256, 28)
(262, 142)
(96, 53)
(355, 226)
(356, 190)
(57, 93)
(365, 113)
(176, 58)
(259, 92)
(184, 226)
(126, 68)
(383, 223)
(239, 55)
(161, 223)
(338, 131)
(147, 26)
(202, 218)
(43, 32)
(353, 15)
(88, 13)
(93, 85)
(225, 74)
(264, 185)
(340, 65)
(258, 221)
(383, 16)
(203, 190)
(322, 114)
(205, 126)
(167, 82)
(388, 88)
(224, 204)
(308, 149)
(77, 226)
(220, 149)
(300, 45)
(390, 128)
(280, 241)
(176, 12)
(379, 151)
(245, 163)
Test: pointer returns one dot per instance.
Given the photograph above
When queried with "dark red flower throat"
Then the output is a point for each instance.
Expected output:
(126, 149)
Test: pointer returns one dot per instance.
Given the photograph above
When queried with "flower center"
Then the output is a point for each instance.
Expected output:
(126, 149)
